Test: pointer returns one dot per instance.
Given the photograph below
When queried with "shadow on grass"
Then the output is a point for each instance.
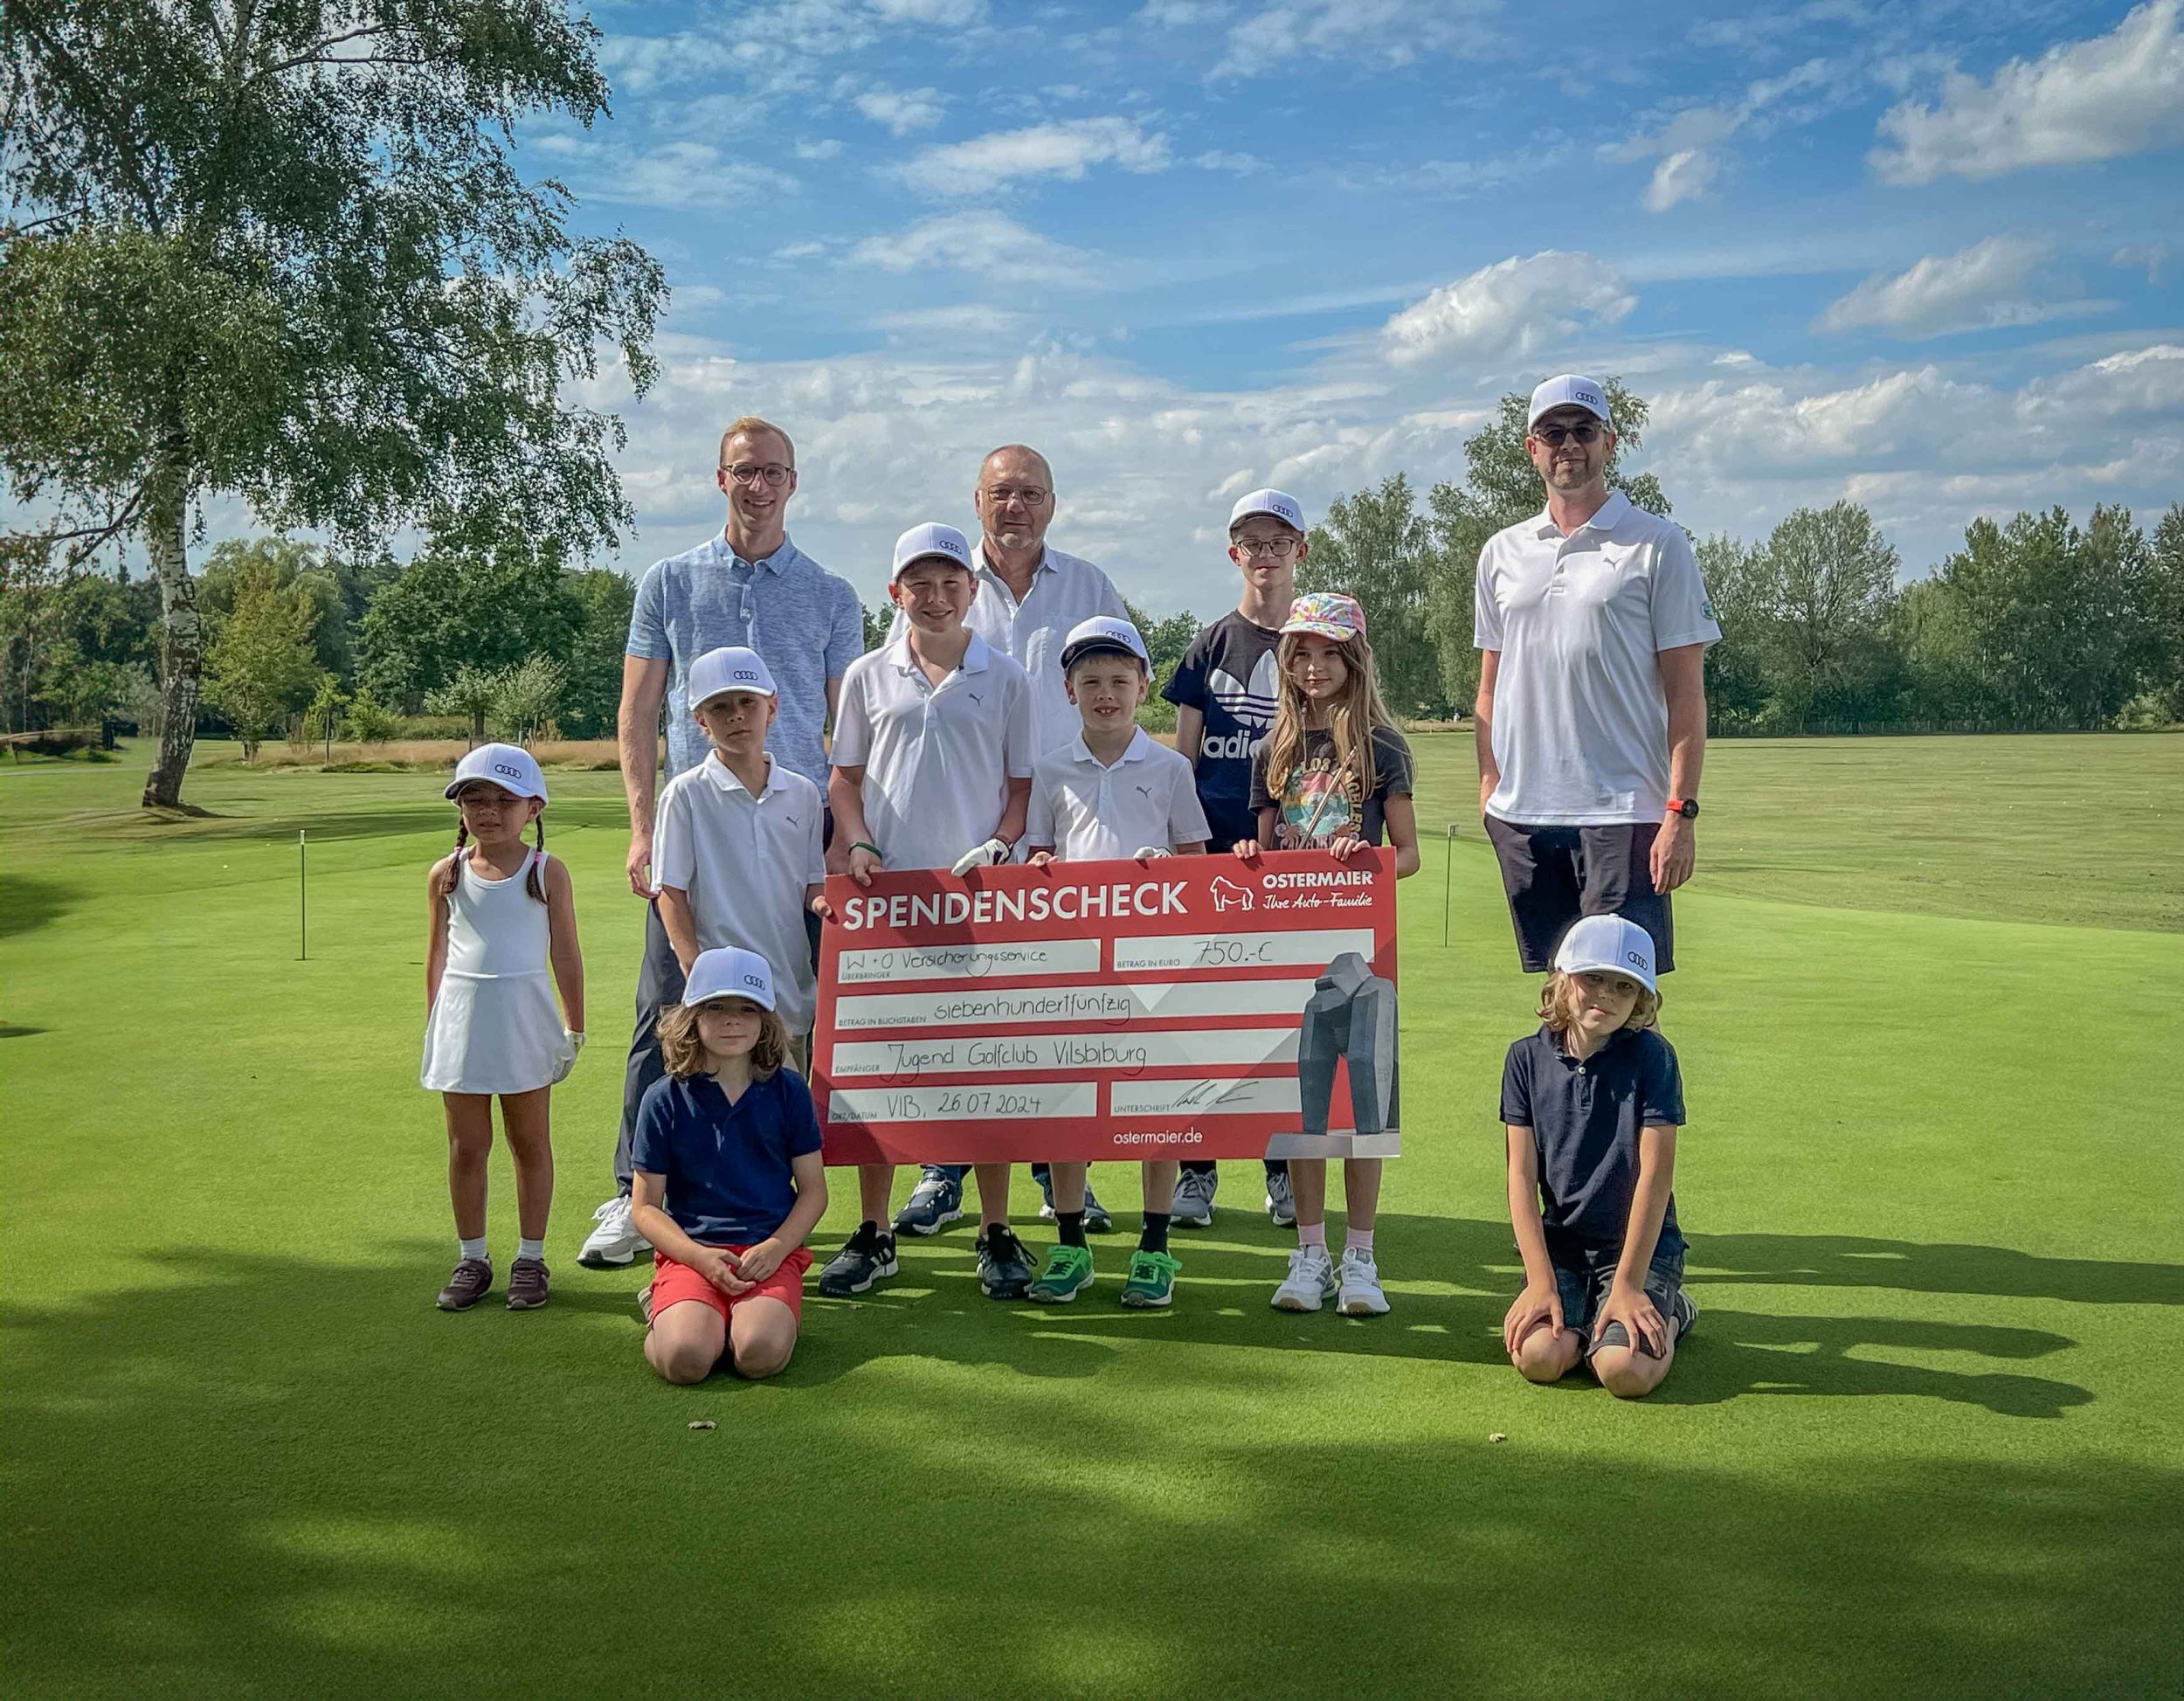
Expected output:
(1840, 1261)
(28, 902)
(261, 1475)
(1221, 1301)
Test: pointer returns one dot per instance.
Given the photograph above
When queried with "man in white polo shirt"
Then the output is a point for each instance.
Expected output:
(1593, 626)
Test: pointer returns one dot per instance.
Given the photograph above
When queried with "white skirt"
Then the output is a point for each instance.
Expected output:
(495, 1033)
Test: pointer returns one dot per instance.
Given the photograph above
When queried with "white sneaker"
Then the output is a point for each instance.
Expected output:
(1194, 1205)
(615, 1241)
(1280, 1200)
(1312, 1283)
(1361, 1295)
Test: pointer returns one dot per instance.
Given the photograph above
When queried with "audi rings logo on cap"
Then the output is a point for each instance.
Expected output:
(1634, 958)
(754, 980)
(745, 674)
(510, 768)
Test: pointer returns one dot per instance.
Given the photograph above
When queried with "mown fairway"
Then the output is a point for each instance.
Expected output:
(1925, 1442)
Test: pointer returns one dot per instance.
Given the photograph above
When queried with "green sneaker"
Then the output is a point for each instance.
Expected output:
(1151, 1280)
(1068, 1272)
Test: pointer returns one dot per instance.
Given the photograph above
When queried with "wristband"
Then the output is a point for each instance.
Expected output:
(576, 1038)
(867, 844)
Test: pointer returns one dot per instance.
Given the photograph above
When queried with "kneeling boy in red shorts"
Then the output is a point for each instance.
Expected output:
(729, 1177)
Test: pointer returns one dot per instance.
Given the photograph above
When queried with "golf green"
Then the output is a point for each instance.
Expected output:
(1924, 1440)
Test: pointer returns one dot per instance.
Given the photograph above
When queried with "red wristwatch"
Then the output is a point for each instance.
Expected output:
(1687, 807)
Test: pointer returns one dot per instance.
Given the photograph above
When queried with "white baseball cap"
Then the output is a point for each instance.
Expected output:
(930, 539)
(717, 673)
(1569, 391)
(1283, 506)
(729, 971)
(509, 766)
(1103, 632)
(1613, 943)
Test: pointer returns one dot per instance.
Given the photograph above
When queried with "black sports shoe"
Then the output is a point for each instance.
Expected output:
(1005, 1267)
(868, 1255)
(1685, 1313)
(1098, 1219)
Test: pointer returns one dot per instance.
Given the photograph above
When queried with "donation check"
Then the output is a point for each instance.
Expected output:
(1188, 1006)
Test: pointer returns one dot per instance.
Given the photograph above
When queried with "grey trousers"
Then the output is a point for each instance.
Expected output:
(659, 984)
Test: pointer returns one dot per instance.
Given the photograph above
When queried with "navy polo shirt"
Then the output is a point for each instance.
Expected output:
(728, 1166)
(1585, 1118)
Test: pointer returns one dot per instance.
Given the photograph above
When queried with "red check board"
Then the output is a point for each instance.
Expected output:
(1090, 1010)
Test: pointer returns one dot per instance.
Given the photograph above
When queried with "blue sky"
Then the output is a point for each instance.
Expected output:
(1926, 255)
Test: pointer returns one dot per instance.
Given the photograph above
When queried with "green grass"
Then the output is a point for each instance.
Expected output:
(1925, 1442)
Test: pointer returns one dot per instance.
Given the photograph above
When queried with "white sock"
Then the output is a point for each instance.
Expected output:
(1358, 1239)
(474, 1248)
(530, 1250)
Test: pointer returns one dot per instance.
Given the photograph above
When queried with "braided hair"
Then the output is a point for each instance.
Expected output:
(451, 868)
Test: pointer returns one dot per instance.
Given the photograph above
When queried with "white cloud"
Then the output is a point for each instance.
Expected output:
(675, 175)
(902, 110)
(825, 148)
(1067, 149)
(948, 14)
(2002, 281)
(2079, 102)
(1384, 33)
(1513, 305)
(1689, 145)
(988, 244)
(1684, 176)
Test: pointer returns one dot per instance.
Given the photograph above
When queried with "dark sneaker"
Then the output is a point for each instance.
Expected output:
(1004, 1265)
(1194, 1207)
(645, 1303)
(867, 1257)
(934, 1202)
(527, 1284)
(471, 1283)
(1098, 1219)
(1684, 1313)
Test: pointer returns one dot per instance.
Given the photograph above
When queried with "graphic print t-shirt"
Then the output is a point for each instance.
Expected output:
(1228, 676)
(1319, 800)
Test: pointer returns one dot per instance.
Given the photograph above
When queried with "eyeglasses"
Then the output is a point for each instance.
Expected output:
(1002, 494)
(1554, 436)
(749, 472)
(1276, 546)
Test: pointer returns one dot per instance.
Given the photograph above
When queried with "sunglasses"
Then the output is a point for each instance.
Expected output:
(1555, 436)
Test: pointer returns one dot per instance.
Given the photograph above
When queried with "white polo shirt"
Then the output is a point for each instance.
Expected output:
(1065, 590)
(1581, 721)
(745, 862)
(1090, 813)
(938, 758)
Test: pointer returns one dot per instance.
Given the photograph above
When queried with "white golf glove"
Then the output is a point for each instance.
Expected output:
(1151, 851)
(994, 850)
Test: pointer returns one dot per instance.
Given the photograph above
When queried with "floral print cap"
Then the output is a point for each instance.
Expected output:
(1329, 614)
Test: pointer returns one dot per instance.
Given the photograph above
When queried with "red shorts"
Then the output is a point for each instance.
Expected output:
(673, 1282)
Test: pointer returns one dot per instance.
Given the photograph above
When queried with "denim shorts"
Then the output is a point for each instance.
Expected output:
(1584, 1291)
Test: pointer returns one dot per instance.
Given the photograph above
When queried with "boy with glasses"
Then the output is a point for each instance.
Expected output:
(1224, 690)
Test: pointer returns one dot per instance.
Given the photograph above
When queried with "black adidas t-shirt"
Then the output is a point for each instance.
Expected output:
(1228, 676)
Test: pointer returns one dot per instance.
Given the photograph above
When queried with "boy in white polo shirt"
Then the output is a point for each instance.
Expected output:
(932, 769)
(737, 849)
(1111, 792)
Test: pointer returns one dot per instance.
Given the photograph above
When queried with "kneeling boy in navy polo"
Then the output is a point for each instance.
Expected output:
(1592, 1101)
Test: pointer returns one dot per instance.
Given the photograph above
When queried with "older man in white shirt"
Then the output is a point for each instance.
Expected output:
(1030, 596)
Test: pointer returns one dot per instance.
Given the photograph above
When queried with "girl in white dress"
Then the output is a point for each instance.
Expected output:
(503, 921)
